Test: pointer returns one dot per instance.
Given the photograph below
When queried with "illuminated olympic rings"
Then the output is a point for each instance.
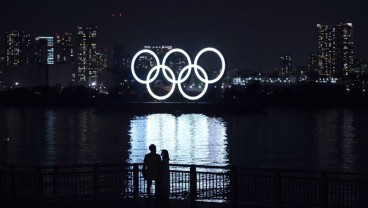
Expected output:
(183, 74)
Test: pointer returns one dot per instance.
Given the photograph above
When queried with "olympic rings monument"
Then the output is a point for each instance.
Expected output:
(183, 75)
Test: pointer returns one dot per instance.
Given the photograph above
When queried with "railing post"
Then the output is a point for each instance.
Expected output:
(323, 197)
(233, 186)
(193, 183)
(277, 189)
(40, 183)
(12, 182)
(55, 185)
(135, 181)
(96, 180)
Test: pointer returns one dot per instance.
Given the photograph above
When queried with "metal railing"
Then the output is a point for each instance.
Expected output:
(302, 188)
(193, 182)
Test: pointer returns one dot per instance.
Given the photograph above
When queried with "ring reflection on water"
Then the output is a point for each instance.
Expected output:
(189, 138)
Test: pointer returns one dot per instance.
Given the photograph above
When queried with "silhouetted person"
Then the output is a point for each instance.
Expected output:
(165, 174)
(152, 169)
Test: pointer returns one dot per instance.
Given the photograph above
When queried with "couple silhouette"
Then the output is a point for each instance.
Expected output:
(157, 169)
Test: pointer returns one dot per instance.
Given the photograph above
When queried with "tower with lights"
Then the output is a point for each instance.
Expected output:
(312, 63)
(64, 53)
(18, 48)
(86, 72)
(335, 49)
(286, 67)
(45, 49)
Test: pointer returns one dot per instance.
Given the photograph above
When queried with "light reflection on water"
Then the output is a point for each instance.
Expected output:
(189, 138)
(287, 138)
(336, 140)
(348, 154)
(50, 135)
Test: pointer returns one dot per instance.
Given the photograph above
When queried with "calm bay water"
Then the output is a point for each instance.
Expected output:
(308, 139)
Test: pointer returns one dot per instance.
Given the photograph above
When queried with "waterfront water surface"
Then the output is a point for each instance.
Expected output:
(289, 138)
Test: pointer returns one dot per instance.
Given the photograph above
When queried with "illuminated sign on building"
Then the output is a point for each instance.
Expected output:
(183, 75)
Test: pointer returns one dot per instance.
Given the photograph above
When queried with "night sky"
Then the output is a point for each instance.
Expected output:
(251, 34)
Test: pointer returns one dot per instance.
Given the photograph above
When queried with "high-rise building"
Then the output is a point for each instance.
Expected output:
(18, 48)
(101, 66)
(45, 49)
(146, 61)
(286, 66)
(63, 45)
(159, 50)
(126, 64)
(118, 55)
(86, 71)
(335, 49)
(177, 62)
(360, 66)
(312, 63)
(121, 63)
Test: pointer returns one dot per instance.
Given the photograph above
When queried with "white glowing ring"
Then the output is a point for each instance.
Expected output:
(181, 79)
(205, 83)
(133, 62)
(176, 50)
(148, 83)
(222, 65)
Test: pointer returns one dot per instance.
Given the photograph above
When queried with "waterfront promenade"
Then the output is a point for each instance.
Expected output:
(191, 186)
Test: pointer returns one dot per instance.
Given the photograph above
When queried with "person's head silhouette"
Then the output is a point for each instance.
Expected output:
(165, 154)
(152, 148)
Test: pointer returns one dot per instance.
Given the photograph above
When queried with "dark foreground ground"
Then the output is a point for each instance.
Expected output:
(141, 203)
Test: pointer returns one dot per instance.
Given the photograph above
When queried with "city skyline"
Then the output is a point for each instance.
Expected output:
(241, 30)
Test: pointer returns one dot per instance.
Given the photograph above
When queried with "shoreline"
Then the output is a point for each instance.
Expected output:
(221, 107)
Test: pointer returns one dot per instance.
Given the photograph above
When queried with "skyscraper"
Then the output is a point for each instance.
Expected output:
(121, 63)
(126, 64)
(87, 71)
(18, 48)
(64, 53)
(335, 49)
(159, 50)
(286, 66)
(360, 66)
(45, 49)
(101, 66)
(146, 61)
(312, 63)
(118, 55)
